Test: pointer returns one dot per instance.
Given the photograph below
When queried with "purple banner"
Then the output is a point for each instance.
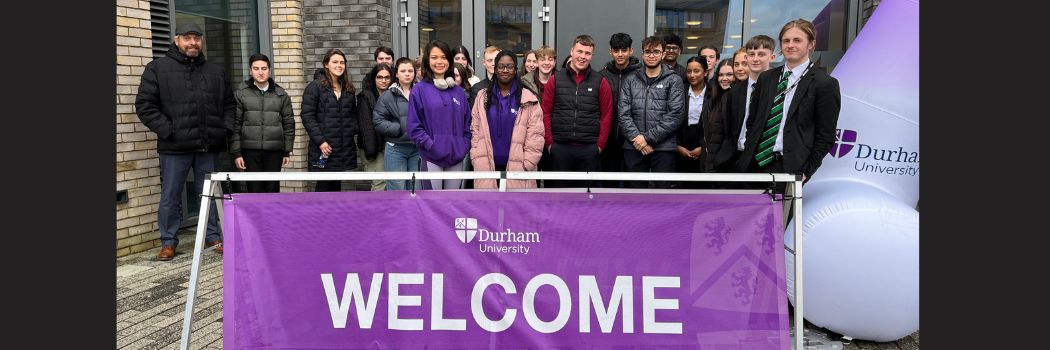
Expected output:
(489, 270)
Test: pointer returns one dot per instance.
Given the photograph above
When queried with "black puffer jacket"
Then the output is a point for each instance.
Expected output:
(653, 110)
(330, 119)
(615, 76)
(264, 120)
(187, 102)
(368, 139)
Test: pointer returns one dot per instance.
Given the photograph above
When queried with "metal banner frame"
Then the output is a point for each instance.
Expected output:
(213, 192)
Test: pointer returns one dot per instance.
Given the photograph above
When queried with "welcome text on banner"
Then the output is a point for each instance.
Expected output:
(459, 269)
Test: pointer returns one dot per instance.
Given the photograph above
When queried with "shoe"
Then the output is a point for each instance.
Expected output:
(166, 253)
(218, 242)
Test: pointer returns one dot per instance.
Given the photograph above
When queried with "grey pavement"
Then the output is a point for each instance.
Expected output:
(151, 299)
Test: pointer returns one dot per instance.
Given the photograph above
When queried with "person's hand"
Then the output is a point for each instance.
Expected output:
(240, 163)
(647, 150)
(639, 142)
(284, 162)
(684, 152)
(695, 154)
(326, 149)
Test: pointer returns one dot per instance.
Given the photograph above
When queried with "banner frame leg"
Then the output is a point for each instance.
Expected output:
(210, 187)
(797, 214)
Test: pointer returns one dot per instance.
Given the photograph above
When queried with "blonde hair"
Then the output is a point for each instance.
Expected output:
(545, 51)
(803, 25)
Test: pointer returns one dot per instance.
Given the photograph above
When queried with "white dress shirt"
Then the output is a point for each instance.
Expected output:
(696, 105)
(747, 108)
(796, 74)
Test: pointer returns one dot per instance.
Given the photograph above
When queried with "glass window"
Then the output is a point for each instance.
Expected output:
(231, 36)
(231, 32)
(828, 16)
(734, 39)
(699, 23)
(508, 25)
(440, 20)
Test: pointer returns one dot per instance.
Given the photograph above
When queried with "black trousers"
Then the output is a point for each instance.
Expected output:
(775, 166)
(612, 161)
(574, 157)
(685, 165)
(259, 160)
(656, 162)
(328, 186)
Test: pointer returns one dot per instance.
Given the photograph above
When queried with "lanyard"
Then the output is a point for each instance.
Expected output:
(804, 71)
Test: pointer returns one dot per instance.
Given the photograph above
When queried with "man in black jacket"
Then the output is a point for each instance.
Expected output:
(188, 102)
(792, 121)
(623, 63)
(650, 113)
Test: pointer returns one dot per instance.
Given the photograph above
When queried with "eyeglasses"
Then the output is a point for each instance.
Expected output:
(652, 53)
(383, 77)
(673, 48)
(505, 67)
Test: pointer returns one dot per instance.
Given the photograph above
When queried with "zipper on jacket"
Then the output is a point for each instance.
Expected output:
(576, 103)
(645, 109)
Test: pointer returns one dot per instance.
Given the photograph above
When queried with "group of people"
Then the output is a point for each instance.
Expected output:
(433, 114)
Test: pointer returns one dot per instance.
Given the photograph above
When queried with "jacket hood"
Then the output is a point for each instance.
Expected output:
(177, 55)
(632, 64)
(528, 96)
(273, 84)
(665, 72)
(319, 73)
(396, 88)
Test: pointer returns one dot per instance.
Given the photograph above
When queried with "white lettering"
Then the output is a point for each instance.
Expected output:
(396, 301)
(650, 304)
(352, 291)
(437, 306)
(622, 294)
(476, 299)
(528, 304)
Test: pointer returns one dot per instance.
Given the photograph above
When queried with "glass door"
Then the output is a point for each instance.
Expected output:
(516, 25)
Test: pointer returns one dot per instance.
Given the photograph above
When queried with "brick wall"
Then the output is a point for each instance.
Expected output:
(138, 167)
(286, 19)
(357, 27)
(301, 32)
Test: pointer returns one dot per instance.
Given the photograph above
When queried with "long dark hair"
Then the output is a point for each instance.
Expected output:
(515, 79)
(703, 65)
(428, 75)
(718, 90)
(462, 50)
(370, 78)
(524, 59)
(464, 76)
(344, 80)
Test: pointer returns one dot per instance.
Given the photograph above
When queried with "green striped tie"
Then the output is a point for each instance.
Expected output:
(769, 136)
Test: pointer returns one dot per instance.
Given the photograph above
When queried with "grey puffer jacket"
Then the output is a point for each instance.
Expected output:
(652, 109)
(263, 121)
(391, 115)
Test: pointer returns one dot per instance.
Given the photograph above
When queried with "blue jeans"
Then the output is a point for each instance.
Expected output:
(173, 171)
(400, 157)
